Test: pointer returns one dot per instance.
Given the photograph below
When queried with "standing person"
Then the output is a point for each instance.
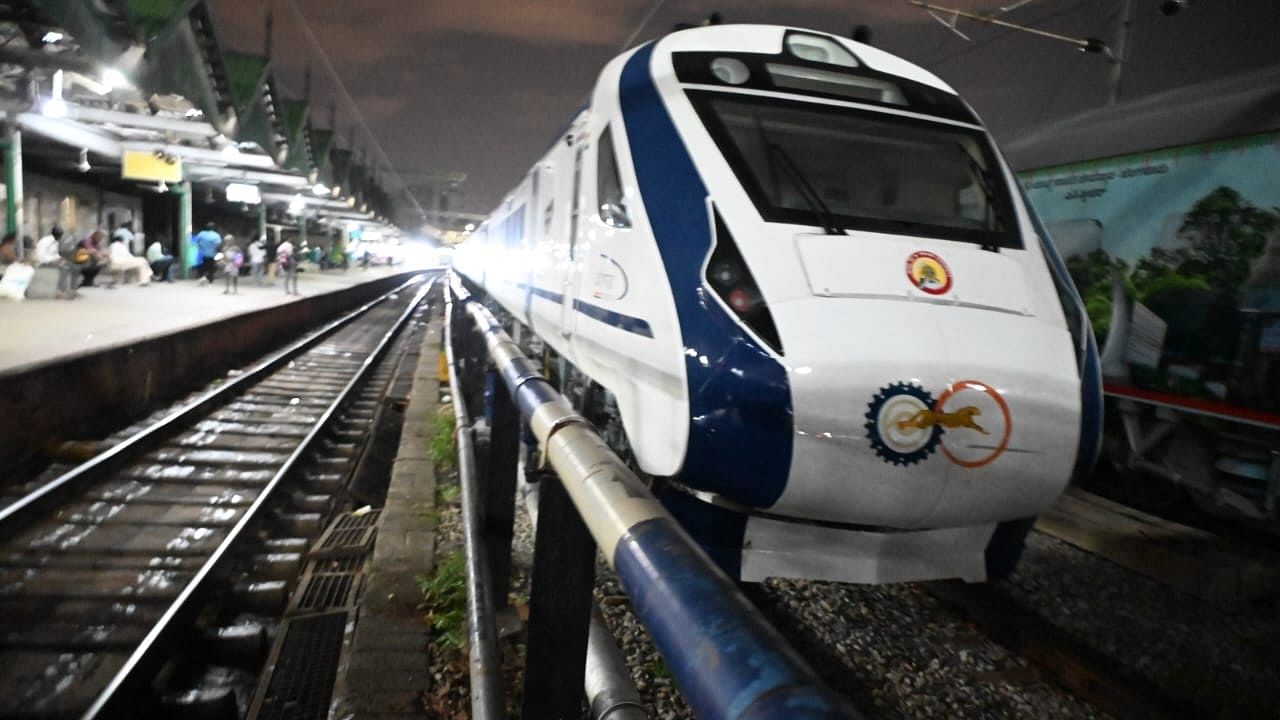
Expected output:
(48, 253)
(161, 262)
(257, 258)
(123, 261)
(288, 266)
(207, 242)
(125, 234)
(271, 261)
(232, 259)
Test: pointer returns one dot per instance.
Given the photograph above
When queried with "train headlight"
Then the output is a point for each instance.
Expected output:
(730, 278)
(723, 274)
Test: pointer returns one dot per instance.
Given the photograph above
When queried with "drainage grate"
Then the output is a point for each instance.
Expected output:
(350, 534)
(325, 591)
(303, 667)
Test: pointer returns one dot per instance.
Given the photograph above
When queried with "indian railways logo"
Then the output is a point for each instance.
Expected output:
(970, 421)
(928, 273)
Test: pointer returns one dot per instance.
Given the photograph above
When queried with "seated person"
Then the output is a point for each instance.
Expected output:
(124, 262)
(9, 250)
(98, 258)
(161, 262)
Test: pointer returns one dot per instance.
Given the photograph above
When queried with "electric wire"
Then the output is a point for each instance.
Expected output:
(351, 103)
(644, 22)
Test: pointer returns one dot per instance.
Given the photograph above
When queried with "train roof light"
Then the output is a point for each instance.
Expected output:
(817, 48)
(810, 79)
(730, 70)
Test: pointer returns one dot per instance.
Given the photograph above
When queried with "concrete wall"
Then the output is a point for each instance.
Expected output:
(92, 395)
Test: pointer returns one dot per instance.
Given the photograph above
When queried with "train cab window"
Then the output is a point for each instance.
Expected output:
(613, 203)
(838, 167)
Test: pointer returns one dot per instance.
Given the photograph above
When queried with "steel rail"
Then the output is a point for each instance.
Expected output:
(728, 661)
(111, 702)
(14, 516)
(487, 694)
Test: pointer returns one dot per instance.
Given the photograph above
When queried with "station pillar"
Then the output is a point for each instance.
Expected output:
(183, 192)
(262, 221)
(12, 145)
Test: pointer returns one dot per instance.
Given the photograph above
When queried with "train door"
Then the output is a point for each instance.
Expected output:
(571, 277)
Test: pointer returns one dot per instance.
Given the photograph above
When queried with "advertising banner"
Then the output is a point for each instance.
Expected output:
(1177, 256)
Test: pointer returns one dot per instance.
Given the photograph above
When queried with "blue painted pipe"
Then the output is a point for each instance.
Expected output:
(728, 661)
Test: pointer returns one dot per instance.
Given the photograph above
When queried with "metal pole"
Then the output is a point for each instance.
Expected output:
(487, 700)
(611, 694)
(13, 184)
(1120, 52)
(184, 227)
(262, 221)
(499, 487)
(564, 555)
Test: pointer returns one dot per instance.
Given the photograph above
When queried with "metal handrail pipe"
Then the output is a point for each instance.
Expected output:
(487, 695)
(610, 690)
(728, 661)
(136, 670)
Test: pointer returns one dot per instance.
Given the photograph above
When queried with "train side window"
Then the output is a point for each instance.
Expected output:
(613, 204)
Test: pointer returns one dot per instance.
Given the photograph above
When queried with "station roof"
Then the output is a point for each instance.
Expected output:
(1241, 105)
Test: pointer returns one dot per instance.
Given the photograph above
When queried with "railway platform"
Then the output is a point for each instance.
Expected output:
(38, 332)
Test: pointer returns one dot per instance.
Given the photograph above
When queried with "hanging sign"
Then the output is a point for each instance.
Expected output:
(151, 166)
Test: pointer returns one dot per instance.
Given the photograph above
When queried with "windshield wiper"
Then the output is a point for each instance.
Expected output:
(811, 197)
(983, 181)
(819, 208)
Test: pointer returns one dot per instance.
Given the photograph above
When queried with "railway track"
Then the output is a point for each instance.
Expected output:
(105, 569)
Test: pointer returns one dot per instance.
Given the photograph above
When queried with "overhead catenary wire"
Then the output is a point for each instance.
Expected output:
(351, 103)
(644, 22)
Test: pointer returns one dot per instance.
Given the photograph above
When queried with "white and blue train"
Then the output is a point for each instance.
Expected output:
(797, 270)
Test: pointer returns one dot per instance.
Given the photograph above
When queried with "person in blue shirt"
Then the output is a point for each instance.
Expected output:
(207, 242)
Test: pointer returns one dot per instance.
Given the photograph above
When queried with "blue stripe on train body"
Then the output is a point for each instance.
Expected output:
(1091, 406)
(740, 411)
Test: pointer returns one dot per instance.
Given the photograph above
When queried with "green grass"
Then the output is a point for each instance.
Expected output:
(448, 493)
(444, 598)
(442, 446)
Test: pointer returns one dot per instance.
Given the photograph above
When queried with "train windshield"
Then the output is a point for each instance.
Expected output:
(840, 168)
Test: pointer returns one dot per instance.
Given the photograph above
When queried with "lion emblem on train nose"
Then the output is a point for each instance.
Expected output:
(970, 421)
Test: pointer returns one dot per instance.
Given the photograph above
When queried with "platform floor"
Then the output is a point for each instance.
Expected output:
(37, 331)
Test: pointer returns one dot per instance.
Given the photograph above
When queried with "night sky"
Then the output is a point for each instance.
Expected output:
(480, 86)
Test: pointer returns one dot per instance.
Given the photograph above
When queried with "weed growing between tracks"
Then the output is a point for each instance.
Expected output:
(444, 598)
(442, 446)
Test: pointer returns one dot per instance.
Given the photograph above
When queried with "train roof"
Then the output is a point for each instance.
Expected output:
(1245, 104)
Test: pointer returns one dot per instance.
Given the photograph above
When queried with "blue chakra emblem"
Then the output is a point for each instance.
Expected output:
(892, 425)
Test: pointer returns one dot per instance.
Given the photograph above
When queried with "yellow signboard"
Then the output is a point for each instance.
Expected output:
(151, 165)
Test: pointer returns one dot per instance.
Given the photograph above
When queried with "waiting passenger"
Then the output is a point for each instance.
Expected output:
(232, 259)
(97, 259)
(9, 249)
(48, 253)
(130, 240)
(207, 242)
(124, 262)
(257, 258)
(161, 262)
(288, 266)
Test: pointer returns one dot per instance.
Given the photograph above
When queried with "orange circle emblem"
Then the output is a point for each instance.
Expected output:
(928, 273)
(968, 397)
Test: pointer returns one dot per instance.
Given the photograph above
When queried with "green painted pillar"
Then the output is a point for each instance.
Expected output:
(183, 192)
(262, 221)
(302, 232)
(13, 184)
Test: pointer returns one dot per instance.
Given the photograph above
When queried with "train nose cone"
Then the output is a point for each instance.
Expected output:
(910, 415)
